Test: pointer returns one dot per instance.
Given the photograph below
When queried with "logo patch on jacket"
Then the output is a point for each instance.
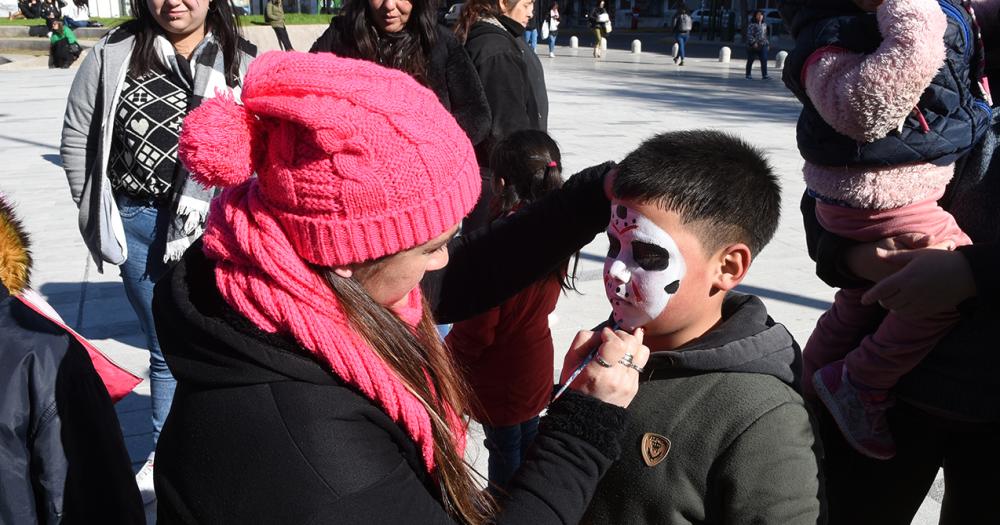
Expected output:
(654, 448)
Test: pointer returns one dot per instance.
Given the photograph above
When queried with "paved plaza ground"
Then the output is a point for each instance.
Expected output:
(599, 110)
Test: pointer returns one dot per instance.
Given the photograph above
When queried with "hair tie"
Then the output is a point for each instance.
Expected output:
(552, 164)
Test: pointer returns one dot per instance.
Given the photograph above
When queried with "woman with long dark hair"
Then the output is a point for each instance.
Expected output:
(405, 35)
(138, 207)
(313, 387)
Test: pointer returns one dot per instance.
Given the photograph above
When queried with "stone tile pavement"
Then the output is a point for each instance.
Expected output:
(600, 110)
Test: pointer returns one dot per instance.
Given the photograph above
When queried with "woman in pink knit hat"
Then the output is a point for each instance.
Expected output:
(312, 385)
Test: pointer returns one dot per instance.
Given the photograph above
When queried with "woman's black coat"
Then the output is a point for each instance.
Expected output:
(512, 76)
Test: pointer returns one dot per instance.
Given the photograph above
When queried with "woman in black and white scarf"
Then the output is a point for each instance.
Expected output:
(138, 208)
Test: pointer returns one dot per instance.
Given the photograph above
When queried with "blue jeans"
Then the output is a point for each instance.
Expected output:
(73, 24)
(146, 237)
(508, 446)
(552, 42)
(682, 39)
(757, 54)
(531, 37)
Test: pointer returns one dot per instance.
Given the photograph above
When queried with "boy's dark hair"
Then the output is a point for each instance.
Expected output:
(706, 177)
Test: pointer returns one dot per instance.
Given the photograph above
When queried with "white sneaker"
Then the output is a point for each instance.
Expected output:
(144, 479)
(552, 55)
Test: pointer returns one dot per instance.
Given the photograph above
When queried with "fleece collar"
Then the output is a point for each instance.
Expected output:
(747, 341)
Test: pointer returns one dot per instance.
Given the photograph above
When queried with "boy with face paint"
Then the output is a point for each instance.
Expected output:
(719, 432)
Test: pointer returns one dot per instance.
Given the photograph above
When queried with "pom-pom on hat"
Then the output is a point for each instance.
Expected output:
(355, 161)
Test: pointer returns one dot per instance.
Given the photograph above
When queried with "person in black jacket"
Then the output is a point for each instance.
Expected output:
(64, 457)
(403, 34)
(312, 385)
(512, 76)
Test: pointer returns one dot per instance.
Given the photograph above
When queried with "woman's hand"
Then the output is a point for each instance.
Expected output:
(929, 281)
(874, 261)
(607, 377)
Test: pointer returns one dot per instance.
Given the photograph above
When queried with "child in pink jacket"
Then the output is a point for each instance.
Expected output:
(893, 93)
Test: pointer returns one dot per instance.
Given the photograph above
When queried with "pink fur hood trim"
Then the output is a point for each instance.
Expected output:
(877, 188)
(865, 96)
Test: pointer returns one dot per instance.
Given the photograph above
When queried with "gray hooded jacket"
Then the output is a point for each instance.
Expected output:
(86, 142)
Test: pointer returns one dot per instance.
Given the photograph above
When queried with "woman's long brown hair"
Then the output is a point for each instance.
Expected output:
(472, 11)
(423, 364)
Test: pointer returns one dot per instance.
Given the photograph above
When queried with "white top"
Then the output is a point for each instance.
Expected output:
(81, 14)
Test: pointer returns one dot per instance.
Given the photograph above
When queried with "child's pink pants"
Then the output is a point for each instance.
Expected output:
(878, 348)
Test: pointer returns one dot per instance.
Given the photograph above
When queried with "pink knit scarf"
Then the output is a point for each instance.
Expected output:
(261, 276)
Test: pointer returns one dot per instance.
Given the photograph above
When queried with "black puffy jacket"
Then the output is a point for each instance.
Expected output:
(957, 116)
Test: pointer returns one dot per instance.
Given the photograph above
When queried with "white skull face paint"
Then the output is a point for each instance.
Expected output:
(644, 267)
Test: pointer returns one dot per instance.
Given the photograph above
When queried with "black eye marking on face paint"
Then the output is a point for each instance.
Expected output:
(672, 287)
(614, 246)
(650, 257)
(621, 211)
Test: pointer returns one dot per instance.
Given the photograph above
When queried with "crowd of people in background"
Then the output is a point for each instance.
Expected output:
(291, 228)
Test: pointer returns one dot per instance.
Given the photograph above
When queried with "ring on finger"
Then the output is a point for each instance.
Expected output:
(636, 367)
(600, 360)
(626, 360)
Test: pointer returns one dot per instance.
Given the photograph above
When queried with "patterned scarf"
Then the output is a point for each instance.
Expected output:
(189, 199)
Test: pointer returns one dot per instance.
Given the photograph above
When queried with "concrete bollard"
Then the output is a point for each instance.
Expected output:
(779, 60)
(636, 47)
(724, 54)
(675, 51)
(604, 44)
(574, 42)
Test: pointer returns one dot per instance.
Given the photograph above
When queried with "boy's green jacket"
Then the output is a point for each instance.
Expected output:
(718, 433)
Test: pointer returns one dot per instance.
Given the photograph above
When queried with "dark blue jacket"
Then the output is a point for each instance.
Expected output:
(955, 113)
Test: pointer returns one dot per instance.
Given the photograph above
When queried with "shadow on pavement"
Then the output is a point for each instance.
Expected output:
(54, 158)
(95, 310)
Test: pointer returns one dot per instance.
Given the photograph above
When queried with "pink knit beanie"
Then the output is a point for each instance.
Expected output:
(353, 162)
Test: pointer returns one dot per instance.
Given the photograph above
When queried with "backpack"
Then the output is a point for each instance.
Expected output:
(684, 23)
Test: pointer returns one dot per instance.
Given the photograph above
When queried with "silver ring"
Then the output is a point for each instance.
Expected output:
(637, 368)
(626, 360)
(600, 360)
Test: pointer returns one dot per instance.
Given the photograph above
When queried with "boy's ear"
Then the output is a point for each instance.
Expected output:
(734, 262)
